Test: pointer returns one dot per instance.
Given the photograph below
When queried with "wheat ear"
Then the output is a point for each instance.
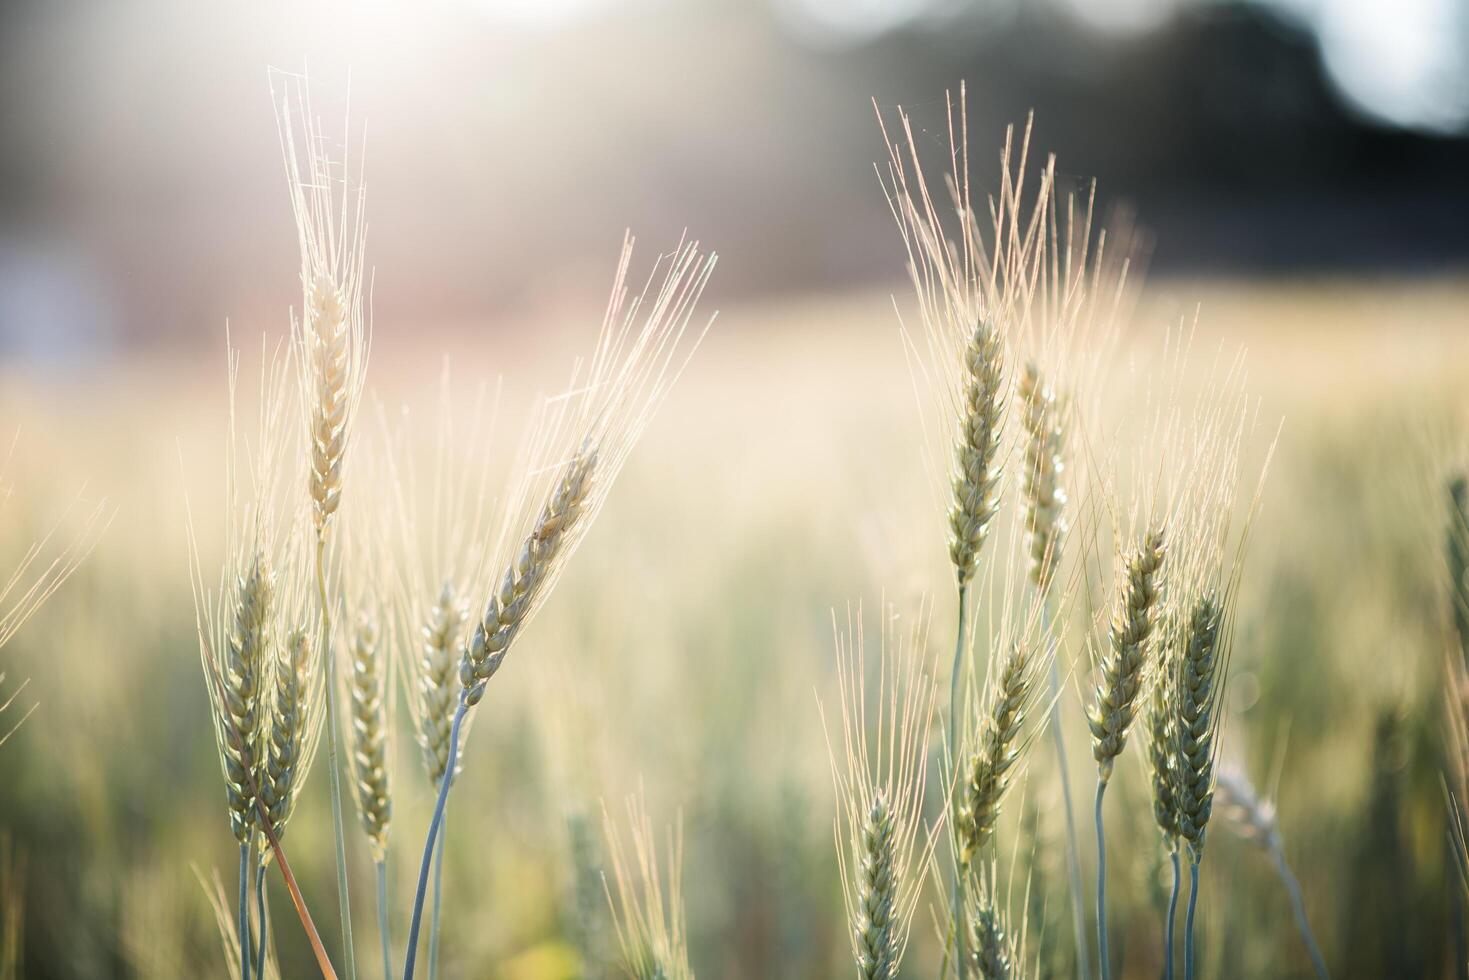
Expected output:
(247, 650)
(1042, 490)
(993, 951)
(991, 768)
(437, 688)
(1196, 721)
(291, 714)
(1124, 665)
(1124, 669)
(875, 927)
(370, 734)
(519, 587)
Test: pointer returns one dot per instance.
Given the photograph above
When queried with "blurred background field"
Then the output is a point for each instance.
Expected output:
(1301, 179)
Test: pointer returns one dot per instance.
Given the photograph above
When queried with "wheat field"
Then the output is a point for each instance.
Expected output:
(686, 653)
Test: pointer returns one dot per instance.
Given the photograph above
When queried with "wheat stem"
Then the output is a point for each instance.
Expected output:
(433, 925)
(1298, 909)
(382, 916)
(1188, 923)
(1172, 914)
(329, 660)
(245, 909)
(955, 684)
(1102, 968)
(264, 926)
(428, 845)
(323, 961)
(1073, 857)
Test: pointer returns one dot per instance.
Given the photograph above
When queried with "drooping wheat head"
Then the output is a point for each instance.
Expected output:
(1125, 661)
(880, 775)
(369, 682)
(651, 929)
(578, 445)
(1002, 737)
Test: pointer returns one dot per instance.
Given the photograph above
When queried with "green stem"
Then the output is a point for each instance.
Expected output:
(1073, 858)
(1188, 923)
(1102, 968)
(329, 659)
(1298, 907)
(957, 892)
(264, 924)
(411, 957)
(382, 916)
(1172, 913)
(433, 925)
(245, 911)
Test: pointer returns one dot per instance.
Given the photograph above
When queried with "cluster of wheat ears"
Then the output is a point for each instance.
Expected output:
(1112, 596)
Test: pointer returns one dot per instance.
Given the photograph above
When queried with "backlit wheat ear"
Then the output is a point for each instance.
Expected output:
(241, 690)
(1162, 706)
(369, 680)
(579, 444)
(976, 477)
(1044, 465)
(1001, 739)
(523, 581)
(1196, 720)
(331, 337)
(880, 776)
(442, 636)
(1125, 663)
(651, 928)
(295, 724)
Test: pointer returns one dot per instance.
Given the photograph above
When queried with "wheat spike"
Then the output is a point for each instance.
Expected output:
(370, 734)
(992, 765)
(291, 723)
(241, 685)
(441, 635)
(976, 477)
(874, 929)
(651, 928)
(1162, 704)
(1044, 495)
(1124, 666)
(991, 950)
(508, 607)
(1196, 719)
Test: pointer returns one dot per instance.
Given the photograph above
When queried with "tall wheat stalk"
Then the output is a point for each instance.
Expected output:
(330, 341)
(969, 292)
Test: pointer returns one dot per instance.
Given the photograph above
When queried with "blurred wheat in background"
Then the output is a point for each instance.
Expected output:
(995, 492)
